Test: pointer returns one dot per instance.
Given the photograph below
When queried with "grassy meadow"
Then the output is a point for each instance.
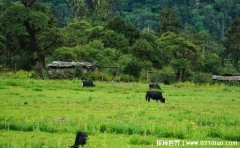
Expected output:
(47, 113)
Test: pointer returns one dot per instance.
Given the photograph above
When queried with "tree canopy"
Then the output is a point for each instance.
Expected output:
(187, 37)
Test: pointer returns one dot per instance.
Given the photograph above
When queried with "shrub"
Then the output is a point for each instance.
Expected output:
(139, 140)
(63, 74)
(201, 78)
(228, 69)
(65, 54)
(17, 75)
(214, 133)
(232, 137)
(133, 68)
(167, 74)
(127, 78)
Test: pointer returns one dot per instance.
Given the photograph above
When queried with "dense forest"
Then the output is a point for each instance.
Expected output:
(178, 40)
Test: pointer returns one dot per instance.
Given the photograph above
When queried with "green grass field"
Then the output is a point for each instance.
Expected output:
(47, 113)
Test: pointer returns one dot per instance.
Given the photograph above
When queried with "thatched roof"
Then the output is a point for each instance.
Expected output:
(61, 64)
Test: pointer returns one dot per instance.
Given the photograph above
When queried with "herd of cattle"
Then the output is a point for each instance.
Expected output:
(154, 93)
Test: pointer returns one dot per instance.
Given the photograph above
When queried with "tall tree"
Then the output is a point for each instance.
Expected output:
(169, 21)
(94, 8)
(30, 24)
(181, 53)
(232, 42)
(117, 24)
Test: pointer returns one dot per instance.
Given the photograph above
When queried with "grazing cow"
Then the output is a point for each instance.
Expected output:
(155, 95)
(154, 85)
(88, 83)
(80, 140)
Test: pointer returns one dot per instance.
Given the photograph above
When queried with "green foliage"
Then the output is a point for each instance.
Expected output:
(181, 53)
(211, 62)
(97, 10)
(78, 27)
(166, 74)
(169, 21)
(232, 42)
(2, 48)
(96, 76)
(114, 40)
(228, 69)
(62, 74)
(26, 25)
(17, 75)
(95, 52)
(180, 63)
(96, 33)
(201, 78)
(127, 78)
(120, 26)
(12, 19)
(64, 54)
(139, 140)
(133, 68)
(142, 49)
(61, 10)
(29, 37)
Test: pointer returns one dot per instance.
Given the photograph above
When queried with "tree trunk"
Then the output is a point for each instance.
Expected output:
(183, 75)
(180, 75)
(40, 66)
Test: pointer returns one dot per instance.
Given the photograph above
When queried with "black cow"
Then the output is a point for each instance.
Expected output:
(80, 140)
(154, 85)
(88, 83)
(155, 95)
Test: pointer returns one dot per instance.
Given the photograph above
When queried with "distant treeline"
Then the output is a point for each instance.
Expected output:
(177, 40)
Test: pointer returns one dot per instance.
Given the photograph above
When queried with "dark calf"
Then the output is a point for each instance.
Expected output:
(80, 140)
(154, 85)
(88, 83)
(155, 95)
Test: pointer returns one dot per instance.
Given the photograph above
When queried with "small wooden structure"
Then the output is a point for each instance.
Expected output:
(225, 78)
(60, 66)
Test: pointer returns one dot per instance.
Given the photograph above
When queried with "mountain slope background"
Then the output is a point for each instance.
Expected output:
(209, 17)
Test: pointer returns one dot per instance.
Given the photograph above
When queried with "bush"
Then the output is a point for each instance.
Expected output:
(17, 75)
(201, 78)
(62, 74)
(167, 74)
(228, 69)
(96, 76)
(127, 78)
(133, 68)
(65, 54)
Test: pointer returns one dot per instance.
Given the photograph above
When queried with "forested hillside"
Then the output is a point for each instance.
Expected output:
(210, 17)
(181, 40)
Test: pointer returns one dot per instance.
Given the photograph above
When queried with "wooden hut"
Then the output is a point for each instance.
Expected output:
(61, 66)
(226, 77)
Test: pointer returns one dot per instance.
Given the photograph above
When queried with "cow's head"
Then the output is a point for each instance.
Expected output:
(163, 100)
